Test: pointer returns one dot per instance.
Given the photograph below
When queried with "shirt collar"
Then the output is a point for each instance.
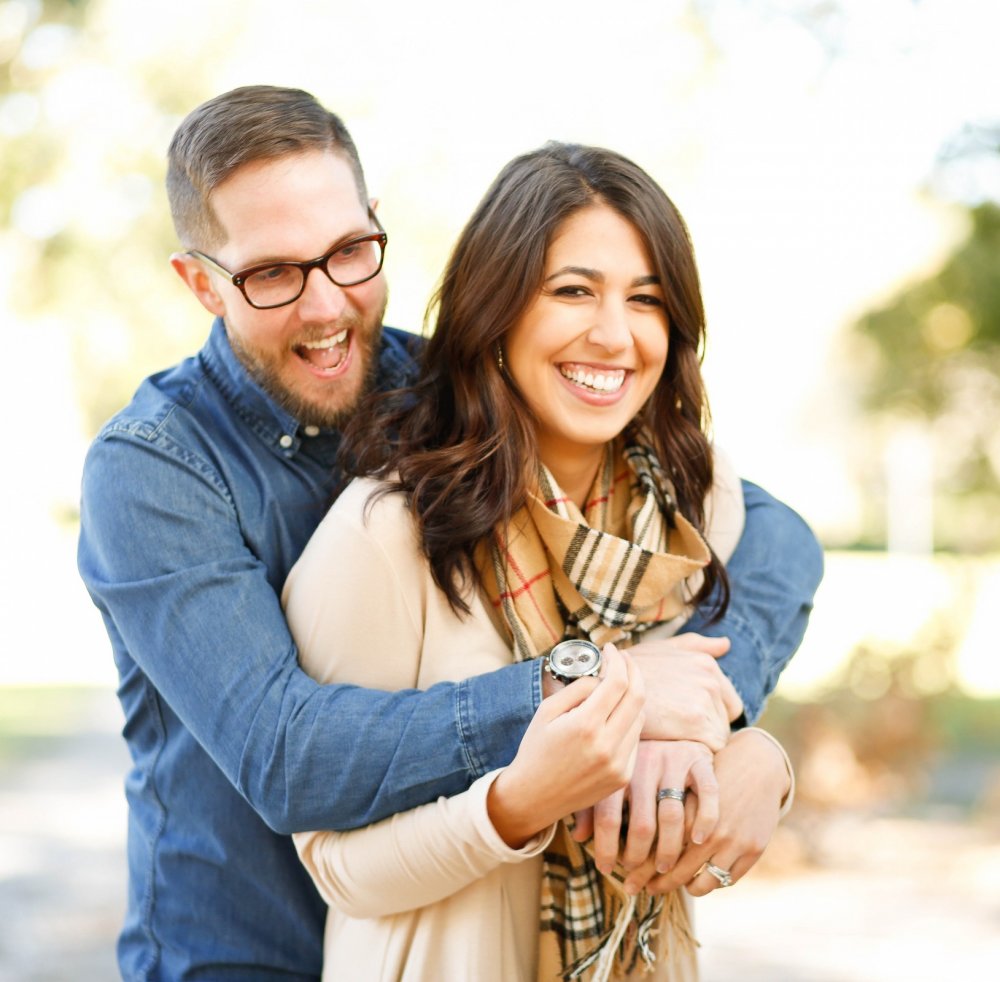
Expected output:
(274, 424)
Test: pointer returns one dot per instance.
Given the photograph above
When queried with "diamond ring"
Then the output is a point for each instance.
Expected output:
(724, 877)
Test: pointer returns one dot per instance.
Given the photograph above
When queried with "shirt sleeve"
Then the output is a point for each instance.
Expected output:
(773, 575)
(413, 859)
(188, 602)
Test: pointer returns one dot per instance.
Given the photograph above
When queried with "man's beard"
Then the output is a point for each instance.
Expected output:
(366, 340)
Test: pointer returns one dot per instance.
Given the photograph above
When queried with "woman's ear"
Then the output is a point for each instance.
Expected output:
(198, 281)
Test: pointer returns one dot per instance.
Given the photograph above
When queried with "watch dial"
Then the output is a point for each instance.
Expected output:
(575, 658)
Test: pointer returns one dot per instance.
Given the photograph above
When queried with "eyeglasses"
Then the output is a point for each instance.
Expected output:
(269, 285)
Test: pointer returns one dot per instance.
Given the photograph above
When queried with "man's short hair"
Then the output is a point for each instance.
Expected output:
(251, 123)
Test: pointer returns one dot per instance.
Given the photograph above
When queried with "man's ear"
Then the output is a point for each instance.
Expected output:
(191, 271)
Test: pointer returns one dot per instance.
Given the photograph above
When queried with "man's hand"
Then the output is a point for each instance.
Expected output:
(687, 695)
(659, 764)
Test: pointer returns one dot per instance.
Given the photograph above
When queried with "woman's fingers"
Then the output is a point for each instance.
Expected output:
(583, 824)
(722, 870)
(607, 830)
(701, 779)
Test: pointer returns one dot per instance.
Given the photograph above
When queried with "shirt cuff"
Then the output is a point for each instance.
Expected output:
(493, 711)
(491, 838)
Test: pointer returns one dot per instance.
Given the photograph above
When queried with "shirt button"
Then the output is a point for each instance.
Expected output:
(312, 431)
(286, 441)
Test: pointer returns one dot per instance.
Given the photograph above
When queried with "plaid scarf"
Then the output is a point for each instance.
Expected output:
(628, 561)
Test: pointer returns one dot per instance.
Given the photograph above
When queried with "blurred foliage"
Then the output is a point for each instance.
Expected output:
(936, 336)
(86, 232)
(933, 358)
(887, 732)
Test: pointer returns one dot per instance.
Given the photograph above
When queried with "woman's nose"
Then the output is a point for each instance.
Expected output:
(611, 328)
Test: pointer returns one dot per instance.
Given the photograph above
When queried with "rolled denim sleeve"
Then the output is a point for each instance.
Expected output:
(773, 574)
(192, 608)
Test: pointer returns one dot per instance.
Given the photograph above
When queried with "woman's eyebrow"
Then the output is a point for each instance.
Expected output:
(590, 274)
(651, 279)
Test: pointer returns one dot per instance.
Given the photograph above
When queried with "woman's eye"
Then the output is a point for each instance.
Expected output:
(571, 291)
(648, 300)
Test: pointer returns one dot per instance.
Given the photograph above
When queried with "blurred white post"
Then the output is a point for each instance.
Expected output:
(909, 479)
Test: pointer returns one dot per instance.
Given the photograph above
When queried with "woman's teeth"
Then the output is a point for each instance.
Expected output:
(606, 381)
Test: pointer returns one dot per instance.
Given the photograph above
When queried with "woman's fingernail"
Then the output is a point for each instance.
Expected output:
(663, 867)
(697, 838)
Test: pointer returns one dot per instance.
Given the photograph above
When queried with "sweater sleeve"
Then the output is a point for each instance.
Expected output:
(362, 585)
(413, 859)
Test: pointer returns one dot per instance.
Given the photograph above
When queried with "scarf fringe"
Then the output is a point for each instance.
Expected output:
(667, 924)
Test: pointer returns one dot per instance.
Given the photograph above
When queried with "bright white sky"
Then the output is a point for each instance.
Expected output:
(799, 167)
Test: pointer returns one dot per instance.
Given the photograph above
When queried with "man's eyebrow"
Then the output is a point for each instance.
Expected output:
(336, 243)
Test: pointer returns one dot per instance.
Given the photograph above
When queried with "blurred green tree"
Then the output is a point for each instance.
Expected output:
(90, 91)
(936, 359)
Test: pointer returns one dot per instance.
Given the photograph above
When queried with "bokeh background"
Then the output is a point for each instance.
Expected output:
(838, 162)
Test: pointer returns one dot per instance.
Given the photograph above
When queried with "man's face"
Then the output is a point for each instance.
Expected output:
(315, 356)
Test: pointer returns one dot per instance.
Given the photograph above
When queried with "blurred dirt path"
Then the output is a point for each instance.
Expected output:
(896, 899)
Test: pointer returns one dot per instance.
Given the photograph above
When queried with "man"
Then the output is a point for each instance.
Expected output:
(198, 498)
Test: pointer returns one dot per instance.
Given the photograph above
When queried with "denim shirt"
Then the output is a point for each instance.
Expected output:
(197, 500)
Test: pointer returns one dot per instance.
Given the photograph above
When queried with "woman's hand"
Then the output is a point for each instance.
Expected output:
(753, 780)
(579, 748)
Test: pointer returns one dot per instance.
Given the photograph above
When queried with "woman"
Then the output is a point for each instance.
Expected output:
(548, 478)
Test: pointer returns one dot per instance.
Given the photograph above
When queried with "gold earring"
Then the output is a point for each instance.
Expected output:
(500, 358)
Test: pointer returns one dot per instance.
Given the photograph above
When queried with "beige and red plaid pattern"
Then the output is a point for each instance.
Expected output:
(622, 565)
(628, 561)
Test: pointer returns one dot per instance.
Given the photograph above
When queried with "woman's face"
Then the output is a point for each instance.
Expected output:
(590, 348)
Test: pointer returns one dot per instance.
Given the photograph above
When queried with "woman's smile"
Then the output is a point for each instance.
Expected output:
(594, 380)
(590, 348)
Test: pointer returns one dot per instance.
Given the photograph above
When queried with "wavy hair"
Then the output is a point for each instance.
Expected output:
(462, 446)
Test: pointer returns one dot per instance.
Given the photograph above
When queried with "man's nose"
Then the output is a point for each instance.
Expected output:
(322, 299)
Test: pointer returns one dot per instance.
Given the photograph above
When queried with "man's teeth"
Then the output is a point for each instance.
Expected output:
(325, 343)
(610, 381)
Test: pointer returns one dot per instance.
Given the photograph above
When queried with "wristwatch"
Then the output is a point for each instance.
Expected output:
(571, 660)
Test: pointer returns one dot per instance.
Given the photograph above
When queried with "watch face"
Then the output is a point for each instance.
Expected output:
(572, 659)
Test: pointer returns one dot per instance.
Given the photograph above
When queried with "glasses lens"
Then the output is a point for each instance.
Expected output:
(274, 285)
(355, 262)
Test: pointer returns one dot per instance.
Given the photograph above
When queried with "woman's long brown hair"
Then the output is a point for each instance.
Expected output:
(460, 444)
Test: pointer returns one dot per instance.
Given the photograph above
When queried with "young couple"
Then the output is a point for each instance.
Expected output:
(545, 477)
